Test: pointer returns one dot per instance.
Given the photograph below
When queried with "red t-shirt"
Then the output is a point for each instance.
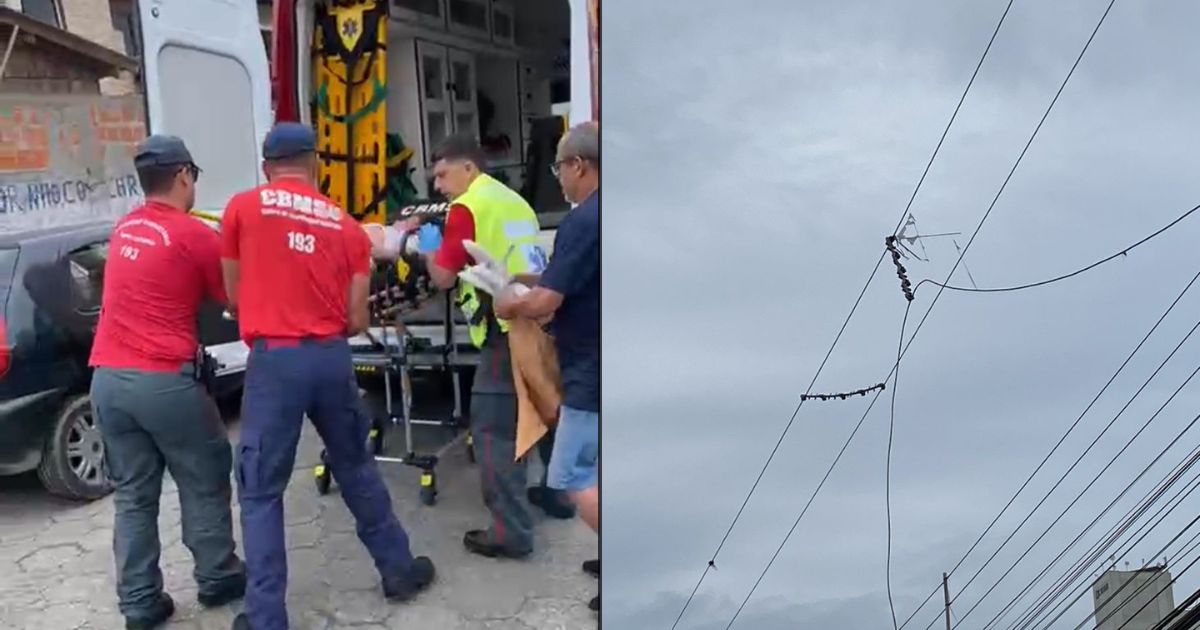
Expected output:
(162, 264)
(297, 252)
(460, 226)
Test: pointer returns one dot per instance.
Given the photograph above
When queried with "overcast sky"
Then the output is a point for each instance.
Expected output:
(755, 160)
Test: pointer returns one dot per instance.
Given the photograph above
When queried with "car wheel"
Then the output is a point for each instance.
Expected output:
(73, 464)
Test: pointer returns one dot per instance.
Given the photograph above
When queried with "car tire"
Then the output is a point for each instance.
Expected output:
(73, 464)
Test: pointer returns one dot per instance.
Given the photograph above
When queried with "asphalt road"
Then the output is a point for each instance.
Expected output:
(58, 568)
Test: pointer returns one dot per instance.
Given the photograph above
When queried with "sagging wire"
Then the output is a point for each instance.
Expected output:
(844, 395)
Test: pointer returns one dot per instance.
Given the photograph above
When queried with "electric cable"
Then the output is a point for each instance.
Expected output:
(1062, 439)
(924, 318)
(1117, 531)
(1096, 552)
(1077, 272)
(908, 206)
(1130, 579)
(888, 475)
(1097, 478)
(1062, 584)
(1074, 465)
(1138, 537)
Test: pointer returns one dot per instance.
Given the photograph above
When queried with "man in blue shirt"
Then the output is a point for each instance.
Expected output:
(569, 290)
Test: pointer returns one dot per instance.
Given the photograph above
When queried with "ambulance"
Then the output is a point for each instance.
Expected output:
(381, 81)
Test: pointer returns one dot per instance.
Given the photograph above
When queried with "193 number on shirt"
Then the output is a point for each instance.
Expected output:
(129, 252)
(303, 243)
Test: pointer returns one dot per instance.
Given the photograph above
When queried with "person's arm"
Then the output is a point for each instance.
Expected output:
(538, 303)
(574, 262)
(358, 248)
(230, 256)
(451, 257)
(207, 254)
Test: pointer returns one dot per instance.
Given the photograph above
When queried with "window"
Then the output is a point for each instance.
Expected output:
(87, 276)
(469, 17)
(228, 153)
(124, 20)
(47, 11)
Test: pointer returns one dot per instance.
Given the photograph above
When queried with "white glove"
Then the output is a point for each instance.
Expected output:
(484, 279)
(498, 268)
(487, 274)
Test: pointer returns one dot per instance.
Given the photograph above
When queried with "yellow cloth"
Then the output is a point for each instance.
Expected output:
(537, 380)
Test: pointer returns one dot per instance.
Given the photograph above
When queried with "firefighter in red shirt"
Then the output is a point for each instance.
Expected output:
(153, 412)
(297, 271)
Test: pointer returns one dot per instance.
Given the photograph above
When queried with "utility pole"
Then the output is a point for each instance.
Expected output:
(946, 595)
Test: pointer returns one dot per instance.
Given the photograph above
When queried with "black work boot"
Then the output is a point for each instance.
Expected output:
(480, 542)
(158, 615)
(594, 605)
(404, 587)
(230, 590)
(592, 567)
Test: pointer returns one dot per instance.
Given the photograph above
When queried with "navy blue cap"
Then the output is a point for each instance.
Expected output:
(161, 150)
(287, 139)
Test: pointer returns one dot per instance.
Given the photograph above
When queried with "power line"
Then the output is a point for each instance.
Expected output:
(1105, 511)
(846, 322)
(888, 483)
(1064, 437)
(1077, 272)
(925, 317)
(1130, 579)
(1030, 616)
(1097, 550)
(1094, 479)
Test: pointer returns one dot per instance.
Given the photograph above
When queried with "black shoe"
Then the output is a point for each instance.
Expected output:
(241, 622)
(230, 590)
(550, 501)
(592, 567)
(163, 609)
(420, 575)
(594, 605)
(478, 541)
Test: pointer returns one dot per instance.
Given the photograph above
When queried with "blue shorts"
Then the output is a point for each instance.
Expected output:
(576, 448)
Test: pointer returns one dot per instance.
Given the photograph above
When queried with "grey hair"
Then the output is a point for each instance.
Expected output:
(582, 141)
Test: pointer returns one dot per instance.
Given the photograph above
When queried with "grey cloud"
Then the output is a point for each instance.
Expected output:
(755, 159)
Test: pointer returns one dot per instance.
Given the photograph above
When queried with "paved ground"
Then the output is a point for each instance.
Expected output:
(56, 562)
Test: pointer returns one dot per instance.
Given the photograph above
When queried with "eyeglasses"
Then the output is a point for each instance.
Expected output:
(194, 171)
(556, 167)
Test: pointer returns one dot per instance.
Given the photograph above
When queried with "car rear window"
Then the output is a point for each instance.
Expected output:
(8, 265)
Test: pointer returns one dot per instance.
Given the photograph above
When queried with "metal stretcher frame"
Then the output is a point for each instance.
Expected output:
(396, 350)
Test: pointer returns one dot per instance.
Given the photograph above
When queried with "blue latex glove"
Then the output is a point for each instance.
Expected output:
(429, 238)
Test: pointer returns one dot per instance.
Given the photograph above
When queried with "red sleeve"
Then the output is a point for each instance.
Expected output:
(206, 253)
(231, 230)
(460, 226)
(358, 248)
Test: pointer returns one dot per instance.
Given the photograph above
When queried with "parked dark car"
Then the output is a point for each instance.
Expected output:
(51, 281)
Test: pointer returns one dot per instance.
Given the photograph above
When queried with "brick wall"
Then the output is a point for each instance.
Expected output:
(33, 69)
(92, 19)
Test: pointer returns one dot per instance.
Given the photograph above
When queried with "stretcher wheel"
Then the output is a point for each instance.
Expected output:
(428, 488)
(470, 442)
(323, 479)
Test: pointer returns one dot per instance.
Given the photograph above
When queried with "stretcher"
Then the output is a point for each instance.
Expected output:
(391, 360)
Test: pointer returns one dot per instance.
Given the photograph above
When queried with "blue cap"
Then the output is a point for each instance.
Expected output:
(288, 139)
(161, 150)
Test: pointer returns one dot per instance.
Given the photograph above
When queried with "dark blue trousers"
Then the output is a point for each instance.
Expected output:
(283, 385)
